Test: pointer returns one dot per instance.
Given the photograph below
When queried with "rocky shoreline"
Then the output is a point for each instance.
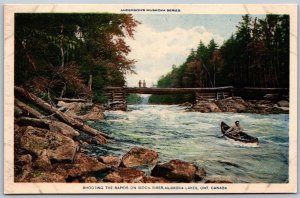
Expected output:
(238, 105)
(49, 150)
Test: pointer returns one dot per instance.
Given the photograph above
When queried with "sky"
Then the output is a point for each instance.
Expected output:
(161, 41)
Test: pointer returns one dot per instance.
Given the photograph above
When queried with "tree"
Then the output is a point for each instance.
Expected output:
(57, 52)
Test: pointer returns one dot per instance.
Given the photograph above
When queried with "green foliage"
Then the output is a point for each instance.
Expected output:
(171, 99)
(99, 97)
(134, 99)
(53, 51)
(257, 55)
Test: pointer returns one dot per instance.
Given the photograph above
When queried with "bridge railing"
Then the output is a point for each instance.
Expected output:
(154, 90)
(119, 93)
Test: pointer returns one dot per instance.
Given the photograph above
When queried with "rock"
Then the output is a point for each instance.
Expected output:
(284, 109)
(60, 127)
(125, 175)
(277, 110)
(38, 176)
(200, 174)
(97, 140)
(96, 113)
(206, 106)
(78, 109)
(272, 97)
(22, 177)
(117, 106)
(84, 164)
(17, 111)
(218, 179)
(58, 146)
(283, 103)
(186, 104)
(75, 181)
(232, 104)
(71, 108)
(213, 107)
(23, 163)
(43, 162)
(24, 159)
(48, 177)
(151, 179)
(178, 171)
(139, 156)
(110, 161)
(90, 180)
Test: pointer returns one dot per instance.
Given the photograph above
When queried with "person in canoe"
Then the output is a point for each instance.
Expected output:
(235, 129)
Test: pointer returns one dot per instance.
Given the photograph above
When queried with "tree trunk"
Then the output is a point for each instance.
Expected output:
(90, 82)
(28, 109)
(40, 123)
(62, 53)
(60, 115)
(63, 91)
(71, 99)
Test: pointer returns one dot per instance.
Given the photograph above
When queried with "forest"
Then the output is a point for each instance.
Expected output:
(77, 55)
(256, 55)
(72, 55)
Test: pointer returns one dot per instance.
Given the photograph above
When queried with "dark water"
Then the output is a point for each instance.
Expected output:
(196, 137)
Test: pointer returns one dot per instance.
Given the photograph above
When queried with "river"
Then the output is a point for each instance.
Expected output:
(195, 137)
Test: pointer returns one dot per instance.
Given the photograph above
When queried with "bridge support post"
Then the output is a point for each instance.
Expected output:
(116, 99)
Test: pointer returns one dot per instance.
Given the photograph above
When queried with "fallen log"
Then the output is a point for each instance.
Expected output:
(40, 123)
(71, 100)
(28, 109)
(60, 115)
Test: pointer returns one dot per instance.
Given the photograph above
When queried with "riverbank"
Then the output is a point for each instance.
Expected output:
(238, 105)
(194, 137)
(48, 149)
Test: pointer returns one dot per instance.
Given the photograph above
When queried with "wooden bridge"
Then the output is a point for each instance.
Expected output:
(119, 94)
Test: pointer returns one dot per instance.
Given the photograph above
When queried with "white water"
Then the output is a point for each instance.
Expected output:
(196, 137)
(145, 100)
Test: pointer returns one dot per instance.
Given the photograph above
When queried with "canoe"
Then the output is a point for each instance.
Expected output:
(243, 137)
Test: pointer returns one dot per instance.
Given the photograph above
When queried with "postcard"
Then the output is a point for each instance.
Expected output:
(146, 98)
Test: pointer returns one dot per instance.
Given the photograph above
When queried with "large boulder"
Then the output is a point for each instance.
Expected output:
(178, 171)
(283, 103)
(60, 127)
(74, 109)
(24, 159)
(23, 163)
(90, 180)
(43, 162)
(151, 179)
(232, 104)
(82, 111)
(83, 164)
(58, 147)
(47, 177)
(96, 113)
(205, 106)
(110, 161)
(138, 156)
(37, 176)
(125, 175)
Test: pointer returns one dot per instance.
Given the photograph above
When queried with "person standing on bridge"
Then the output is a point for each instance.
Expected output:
(140, 83)
(144, 83)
